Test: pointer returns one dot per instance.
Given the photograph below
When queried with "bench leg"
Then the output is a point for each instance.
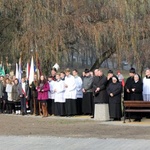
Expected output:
(124, 117)
(124, 120)
(129, 117)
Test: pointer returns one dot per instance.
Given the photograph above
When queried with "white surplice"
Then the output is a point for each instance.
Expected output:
(146, 89)
(78, 82)
(51, 93)
(60, 90)
(70, 91)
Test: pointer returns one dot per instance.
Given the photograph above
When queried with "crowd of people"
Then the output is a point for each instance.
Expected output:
(67, 94)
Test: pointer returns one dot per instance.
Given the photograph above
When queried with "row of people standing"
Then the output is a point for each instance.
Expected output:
(10, 94)
(62, 94)
(73, 95)
(137, 89)
(59, 95)
(66, 95)
(103, 90)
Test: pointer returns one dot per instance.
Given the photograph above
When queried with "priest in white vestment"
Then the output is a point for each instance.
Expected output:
(79, 92)
(146, 86)
(51, 96)
(59, 89)
(70, 93)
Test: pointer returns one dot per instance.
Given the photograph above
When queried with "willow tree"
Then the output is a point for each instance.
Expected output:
(93, 29)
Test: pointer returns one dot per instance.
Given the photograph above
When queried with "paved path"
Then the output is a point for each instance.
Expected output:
(59, 143)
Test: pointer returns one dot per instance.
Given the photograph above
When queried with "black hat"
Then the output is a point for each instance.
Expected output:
(54, 69)
(132, 70)
(86, 70)
(110, 71)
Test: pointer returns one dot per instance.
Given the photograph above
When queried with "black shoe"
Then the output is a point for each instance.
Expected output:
(92, 117)
(24, 113)
(137, 120)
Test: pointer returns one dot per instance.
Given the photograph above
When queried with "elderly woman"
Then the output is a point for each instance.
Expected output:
(136, 94)
(136, 88)
(114, 91)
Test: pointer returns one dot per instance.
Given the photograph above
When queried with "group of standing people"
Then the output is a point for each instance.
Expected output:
(137, 89)
(67, 94)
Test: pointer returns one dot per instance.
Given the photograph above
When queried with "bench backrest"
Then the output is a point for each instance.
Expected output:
(136, 104)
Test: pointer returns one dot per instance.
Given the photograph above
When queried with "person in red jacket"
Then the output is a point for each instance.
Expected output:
(43, 88)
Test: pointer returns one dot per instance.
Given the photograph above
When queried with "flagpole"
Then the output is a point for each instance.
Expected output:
(20, 69)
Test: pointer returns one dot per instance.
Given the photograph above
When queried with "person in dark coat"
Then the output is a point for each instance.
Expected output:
(4, 97)
(109, 77)
(99, 87)
(16, 95)
(136, 94)
(24, 95)
(114, 91)
(87, 102)
(128, 84)
(1, 94)
(137, 88)
(34, 93)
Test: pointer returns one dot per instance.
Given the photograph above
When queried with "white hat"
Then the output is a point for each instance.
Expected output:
(56, 66)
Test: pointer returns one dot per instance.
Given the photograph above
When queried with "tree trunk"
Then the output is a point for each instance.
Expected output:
(102, 58)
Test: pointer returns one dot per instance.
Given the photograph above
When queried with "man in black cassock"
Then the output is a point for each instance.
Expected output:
(99, 87)
(128, 85)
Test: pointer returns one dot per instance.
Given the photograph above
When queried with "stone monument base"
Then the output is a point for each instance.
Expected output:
(101, 112)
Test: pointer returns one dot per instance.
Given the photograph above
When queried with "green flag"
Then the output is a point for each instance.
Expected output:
(2, 71)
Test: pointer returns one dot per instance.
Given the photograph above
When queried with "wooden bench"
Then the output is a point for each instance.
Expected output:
(135, 106)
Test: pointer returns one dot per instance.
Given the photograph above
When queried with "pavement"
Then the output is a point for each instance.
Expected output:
(62, 143)
(144, 121)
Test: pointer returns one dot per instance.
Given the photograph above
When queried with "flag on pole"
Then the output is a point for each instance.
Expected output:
(3, 71)
(20, 70)
(28, 70)
(17, 71)
(38, 66)
(31, 76)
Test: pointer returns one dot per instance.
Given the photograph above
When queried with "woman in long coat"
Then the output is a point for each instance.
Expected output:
(137, 88)
(16, 95)
(43, 88)
(114, 91)
(136, 94)
(9, 95)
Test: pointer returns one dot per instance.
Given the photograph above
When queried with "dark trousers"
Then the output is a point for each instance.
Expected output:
(50, 106)
(79, 106)
(9, 107)
(1, 105)
(16, 106)
(31, 105)
(23, 105)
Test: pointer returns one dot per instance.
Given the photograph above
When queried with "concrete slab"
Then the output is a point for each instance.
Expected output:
(61, 143)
